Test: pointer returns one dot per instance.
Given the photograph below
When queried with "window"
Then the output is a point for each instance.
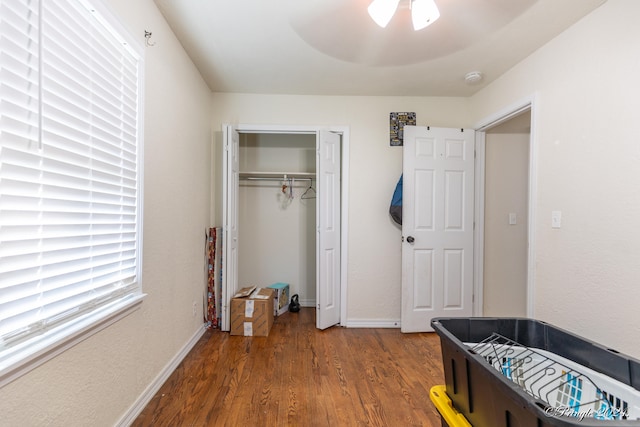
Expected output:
(70, 177)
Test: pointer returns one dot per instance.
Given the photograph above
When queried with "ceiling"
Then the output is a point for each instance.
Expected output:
(332, 47)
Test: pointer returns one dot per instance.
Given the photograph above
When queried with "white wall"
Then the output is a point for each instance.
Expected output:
(277, 233)
(97, 381)
(505, 244)
(374, 240)
(588, 148)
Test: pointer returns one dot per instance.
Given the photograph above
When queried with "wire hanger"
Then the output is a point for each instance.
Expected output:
(311, 195)
(287, 187)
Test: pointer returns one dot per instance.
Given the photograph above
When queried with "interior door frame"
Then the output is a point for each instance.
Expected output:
(501, 116)
(344, 201)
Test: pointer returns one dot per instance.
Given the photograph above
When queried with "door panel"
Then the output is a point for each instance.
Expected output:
(437, 248)
(424, 294)
(328, 241)
(453, 278)
(231, 168)
(454, 203)
(424, 186)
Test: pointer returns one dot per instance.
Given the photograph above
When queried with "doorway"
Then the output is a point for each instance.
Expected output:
(506, 217)
(504, 208)
(322, 168)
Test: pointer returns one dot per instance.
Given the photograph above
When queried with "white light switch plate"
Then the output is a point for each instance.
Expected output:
(513, 219)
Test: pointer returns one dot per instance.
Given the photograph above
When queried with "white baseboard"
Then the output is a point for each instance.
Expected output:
(358, 323)
(143, 400)
(371, 323)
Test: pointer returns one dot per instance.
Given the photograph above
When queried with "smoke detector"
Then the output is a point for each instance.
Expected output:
(473, 77)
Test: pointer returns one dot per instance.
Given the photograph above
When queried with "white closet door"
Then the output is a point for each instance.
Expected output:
(328, 223)
(230, 187)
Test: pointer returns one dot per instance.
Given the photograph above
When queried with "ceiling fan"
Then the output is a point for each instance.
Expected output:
(423, 12)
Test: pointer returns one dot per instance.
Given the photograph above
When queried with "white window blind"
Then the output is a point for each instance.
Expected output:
(70, 156)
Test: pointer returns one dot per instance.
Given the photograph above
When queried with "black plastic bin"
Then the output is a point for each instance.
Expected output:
(490, 389)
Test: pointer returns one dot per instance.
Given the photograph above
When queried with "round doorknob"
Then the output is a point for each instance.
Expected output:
(410, 239)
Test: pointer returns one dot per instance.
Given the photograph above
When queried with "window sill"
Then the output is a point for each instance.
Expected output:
(19, 360)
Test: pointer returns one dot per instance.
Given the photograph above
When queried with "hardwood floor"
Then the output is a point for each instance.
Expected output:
(301, 376)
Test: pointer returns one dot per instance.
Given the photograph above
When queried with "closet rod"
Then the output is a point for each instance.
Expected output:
(257, 178)
(278, 175)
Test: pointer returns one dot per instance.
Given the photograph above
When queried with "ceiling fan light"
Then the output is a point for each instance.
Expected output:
(423, 13)
(381, 11)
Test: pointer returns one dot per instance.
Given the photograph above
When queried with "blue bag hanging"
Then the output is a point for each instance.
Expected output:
(396, 203)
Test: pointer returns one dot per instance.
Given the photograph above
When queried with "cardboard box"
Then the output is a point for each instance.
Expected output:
(281, 298)
(252, 315)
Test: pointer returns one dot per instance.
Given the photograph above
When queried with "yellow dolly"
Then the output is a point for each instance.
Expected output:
(449, 414)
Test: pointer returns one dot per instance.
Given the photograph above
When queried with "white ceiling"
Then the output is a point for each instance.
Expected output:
(332, 47)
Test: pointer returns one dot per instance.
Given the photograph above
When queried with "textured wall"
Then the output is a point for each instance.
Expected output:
(588, 153)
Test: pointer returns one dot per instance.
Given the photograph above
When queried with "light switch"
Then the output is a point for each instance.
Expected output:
(512, 218)
(556, 219)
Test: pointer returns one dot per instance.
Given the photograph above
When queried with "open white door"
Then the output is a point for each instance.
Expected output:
(437, 225)
(328, 237)
(230, 172)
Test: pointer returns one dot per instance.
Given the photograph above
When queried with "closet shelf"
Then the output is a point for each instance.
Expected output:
(277, 175)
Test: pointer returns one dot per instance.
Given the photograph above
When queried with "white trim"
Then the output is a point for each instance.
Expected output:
(506, 114)
(249, 128)
(528, 103)
(225, 323)
(141, 175)
(372, 323)
(308, 303)
(344, 220)
(478, 240)
(533, 196)
(143, 400)
(344, 195)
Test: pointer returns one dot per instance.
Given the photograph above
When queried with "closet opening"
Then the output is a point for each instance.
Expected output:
(284, 206)
(277, 212)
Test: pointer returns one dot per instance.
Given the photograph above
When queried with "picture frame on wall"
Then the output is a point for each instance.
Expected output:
(397, 122)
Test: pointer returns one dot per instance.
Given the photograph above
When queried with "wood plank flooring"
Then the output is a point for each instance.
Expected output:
(301, 376)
